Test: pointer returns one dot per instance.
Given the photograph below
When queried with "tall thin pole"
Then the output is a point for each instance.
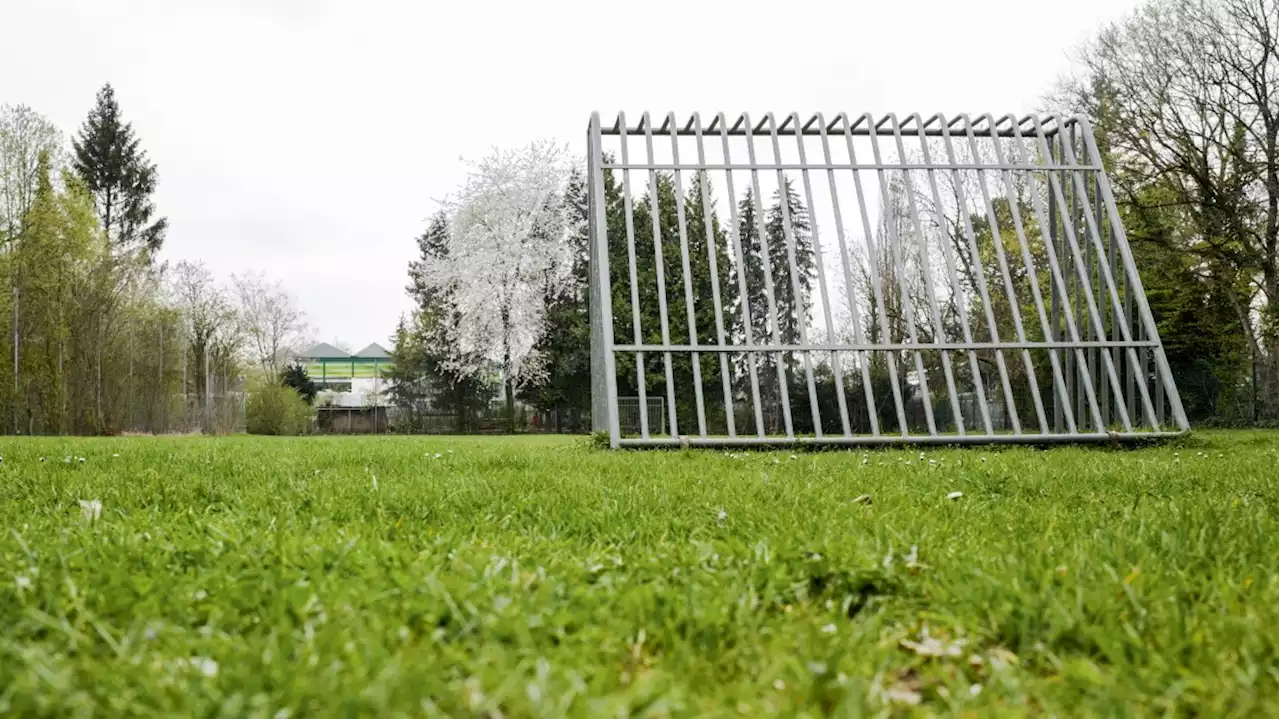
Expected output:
(16, 295)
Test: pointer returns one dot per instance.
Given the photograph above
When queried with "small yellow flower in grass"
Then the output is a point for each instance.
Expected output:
(90, 509)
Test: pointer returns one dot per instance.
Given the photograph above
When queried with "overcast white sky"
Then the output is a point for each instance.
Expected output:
(309, 138)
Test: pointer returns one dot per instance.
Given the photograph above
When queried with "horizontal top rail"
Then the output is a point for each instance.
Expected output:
(882, 346)
(994, 167)
(938, 125)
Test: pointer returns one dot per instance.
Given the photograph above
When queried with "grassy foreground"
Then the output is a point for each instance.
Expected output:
(399, 576)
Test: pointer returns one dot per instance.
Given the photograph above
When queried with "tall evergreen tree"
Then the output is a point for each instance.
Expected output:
(783, 220)
(422, 378)
(790, 309)
(120, 177)
(565, 344)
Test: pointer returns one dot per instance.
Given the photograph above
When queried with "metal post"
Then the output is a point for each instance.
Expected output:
(604, 376)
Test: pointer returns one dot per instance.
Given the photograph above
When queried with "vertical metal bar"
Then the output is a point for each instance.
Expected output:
(1057, 280)
(1030, 266)
(604, 375)
(1159, 403)
(797, 294)
(949, 265)
(784, 394)
(654, 201)
(1096, 331)
(1117, 312)
(637, 334)
(713, 263)
(836, 369)
(1015, 308)
(927, 272)
(1135, 364)
(1074, 288)
(908, 310)
(1054, 304)
(1129, 323)
(891, 360)
(690, 315)
(740, 261)
(980, 279)
(1100, 272)
(1082, 273)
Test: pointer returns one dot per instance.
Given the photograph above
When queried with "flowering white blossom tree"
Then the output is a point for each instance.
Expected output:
(507, 248)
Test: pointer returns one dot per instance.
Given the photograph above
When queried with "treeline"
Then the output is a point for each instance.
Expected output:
(1188, 132)
(427, 379)
(99, 335)
(78, 237)
(1183, 98)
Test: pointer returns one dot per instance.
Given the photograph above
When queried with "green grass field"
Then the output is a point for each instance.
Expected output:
(395, 576)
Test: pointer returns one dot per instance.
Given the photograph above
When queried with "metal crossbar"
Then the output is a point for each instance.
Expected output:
(865, 280)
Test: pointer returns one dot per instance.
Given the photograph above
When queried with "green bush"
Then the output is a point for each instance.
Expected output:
(276, 409)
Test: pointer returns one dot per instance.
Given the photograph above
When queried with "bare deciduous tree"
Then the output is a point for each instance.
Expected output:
(272, 322)
(209, 319)
(1183, 94)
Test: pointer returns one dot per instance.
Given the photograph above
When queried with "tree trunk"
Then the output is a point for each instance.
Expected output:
(508, 380)
(511, 405)
(15, 355)
(97, 389)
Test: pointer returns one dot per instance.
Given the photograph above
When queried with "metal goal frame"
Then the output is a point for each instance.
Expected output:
(1107, 376)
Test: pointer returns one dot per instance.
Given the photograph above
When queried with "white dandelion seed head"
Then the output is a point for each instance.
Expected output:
(90, 509)
(205, 666)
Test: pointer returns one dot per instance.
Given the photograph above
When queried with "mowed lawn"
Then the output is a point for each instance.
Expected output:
(532, 576)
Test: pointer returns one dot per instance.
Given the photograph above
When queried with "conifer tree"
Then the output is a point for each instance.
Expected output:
(116, 171)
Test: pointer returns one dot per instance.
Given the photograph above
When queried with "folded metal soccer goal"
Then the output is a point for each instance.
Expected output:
(865, 280)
